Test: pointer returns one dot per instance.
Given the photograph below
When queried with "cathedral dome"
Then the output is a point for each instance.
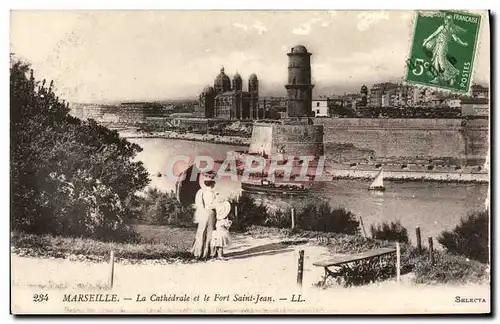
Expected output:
(252, 77)
(222, 83)
(208, 90)
(299, 49)
(237, 82)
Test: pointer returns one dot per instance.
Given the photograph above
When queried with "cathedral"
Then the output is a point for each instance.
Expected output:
(227, 100)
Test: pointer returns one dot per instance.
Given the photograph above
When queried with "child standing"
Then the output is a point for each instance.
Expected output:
(221, 237)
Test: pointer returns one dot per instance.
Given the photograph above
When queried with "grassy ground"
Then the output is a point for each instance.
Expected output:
(180, 237)
(156, 242)
(166, 244)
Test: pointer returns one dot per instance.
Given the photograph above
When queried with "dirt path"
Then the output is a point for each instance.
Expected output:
(271, 275)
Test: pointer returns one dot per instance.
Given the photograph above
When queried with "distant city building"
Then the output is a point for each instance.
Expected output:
(453, 102)
(364, 95)
(478, 91)
(272, 108)
(352, 100)
(228, 101)
(375, 98)
(320, 107)
(474, 106)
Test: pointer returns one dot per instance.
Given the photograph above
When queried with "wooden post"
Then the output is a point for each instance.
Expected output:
(398, 262)
(431, 249)
(112, 268)
(300, 270)
(362, 225)
(419, 239)
(293, 218)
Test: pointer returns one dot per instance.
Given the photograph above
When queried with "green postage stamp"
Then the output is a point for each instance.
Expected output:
(443, 50)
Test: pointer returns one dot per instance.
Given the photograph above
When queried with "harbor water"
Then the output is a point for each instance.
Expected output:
(434, 206)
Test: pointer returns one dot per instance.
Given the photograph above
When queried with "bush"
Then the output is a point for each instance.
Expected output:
(325, 219)
(448, 268)
(313, 217)
(279, 218)
(394, 232)
(367, 271)
(68, 177)
(160, 208)
(249, 213)
(470, 238)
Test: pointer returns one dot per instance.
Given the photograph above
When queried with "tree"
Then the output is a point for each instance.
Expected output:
(68, 176)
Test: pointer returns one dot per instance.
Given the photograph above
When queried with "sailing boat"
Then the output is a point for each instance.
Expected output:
(378, 182)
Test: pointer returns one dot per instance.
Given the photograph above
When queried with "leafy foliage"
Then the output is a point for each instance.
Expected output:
(160, 208)
(366, 271)
(68, 176)
(469, 238)
(393, 231)
(249, 213)
(324, 218)
(313, 217)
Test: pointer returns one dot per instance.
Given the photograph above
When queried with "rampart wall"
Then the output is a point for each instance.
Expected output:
(466, 140)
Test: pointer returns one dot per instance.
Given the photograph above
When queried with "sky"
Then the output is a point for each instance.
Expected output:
(107, 56)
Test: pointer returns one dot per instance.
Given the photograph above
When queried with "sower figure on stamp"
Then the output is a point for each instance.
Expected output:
(205, 204)
(436, 46)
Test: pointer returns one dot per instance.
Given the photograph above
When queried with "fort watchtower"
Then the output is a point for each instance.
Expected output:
(299, 87)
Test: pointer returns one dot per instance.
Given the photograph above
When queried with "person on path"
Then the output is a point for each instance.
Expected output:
(205, 204)
(221, 237)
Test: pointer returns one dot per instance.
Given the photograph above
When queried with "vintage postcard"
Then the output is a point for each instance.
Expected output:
(250, 162)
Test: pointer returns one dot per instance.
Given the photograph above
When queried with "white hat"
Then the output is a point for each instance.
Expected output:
(206, 176)
(223, 209)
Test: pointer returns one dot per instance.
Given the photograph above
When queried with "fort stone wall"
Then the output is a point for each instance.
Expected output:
(289, 140)
(466, 140)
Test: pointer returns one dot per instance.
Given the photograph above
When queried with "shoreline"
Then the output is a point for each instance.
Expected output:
(337, 172)
(207, 138)
(410, 176)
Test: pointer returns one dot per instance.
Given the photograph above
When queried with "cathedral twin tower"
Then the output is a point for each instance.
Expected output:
(229, 101)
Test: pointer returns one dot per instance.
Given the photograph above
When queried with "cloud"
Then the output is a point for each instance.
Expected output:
(258, 26)
(241, 26)
(305, 28)
(367, 19)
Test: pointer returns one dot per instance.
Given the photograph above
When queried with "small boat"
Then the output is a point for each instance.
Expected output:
(266, 187)
(158, 174)
(378, 182)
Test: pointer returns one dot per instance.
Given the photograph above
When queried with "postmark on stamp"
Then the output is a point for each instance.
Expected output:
(443, 50)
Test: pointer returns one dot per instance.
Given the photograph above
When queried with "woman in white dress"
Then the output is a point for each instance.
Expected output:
(437, 45)
(205, 217)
